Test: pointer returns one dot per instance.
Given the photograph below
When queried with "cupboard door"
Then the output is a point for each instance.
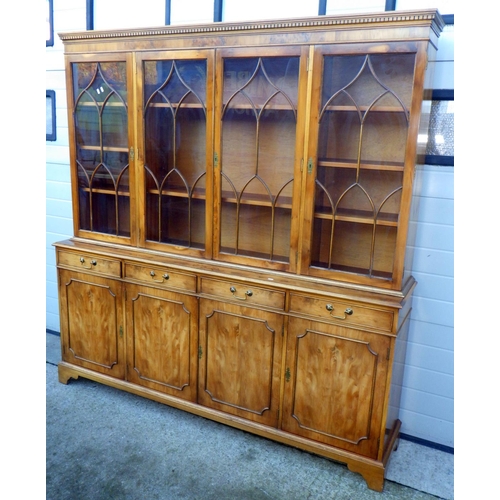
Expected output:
(176, 168)
(240, 361)
(92, 322)
(162, 347)
(100, 104)
(335, 384)
(362, 145)
(259, 129)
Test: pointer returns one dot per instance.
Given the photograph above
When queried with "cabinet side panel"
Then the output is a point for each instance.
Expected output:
(398, 367)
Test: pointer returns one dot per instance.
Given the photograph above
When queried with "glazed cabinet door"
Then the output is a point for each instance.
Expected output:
(365, 113)
(92, 322)
(240, 360)
(259, 127)
(335, 385)
(175, 91)
(101, 128)
(162, 347)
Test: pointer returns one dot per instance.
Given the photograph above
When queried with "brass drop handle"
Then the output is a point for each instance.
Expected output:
(348, 311)
(248, 293)
(92, 263)
(165, 277)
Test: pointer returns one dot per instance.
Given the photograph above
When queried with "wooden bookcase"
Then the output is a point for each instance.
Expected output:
(242, 196)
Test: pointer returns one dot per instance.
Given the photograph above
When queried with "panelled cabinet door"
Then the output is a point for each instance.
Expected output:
(335, 384)
(100, 110)
(92, 322)
(240, 361)
(175, 92)
(162, 343)
(361, 162)
(258, 146)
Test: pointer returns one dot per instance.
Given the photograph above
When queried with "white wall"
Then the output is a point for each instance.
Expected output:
(428, 386)
(428, 392)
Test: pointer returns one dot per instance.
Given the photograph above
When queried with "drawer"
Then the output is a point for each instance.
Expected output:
(344, 312)
(244, 293)
(160, 276)
(89, 263)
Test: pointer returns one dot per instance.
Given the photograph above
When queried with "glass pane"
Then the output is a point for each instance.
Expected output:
(441, 129)
(175, 156)
(363, 126)
(259, 120)
(101, 129)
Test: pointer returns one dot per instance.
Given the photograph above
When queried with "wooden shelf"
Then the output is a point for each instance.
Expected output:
(99, 103)
(259, 106)
(190, 105)
(105, 191)
(363, 109)
(372, 165)
(198, 194)
(227, 197)
(105, 148)
(354, 270)
(257, 200)
(359, 217)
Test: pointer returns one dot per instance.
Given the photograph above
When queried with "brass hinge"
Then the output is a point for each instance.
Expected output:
(132, 154)
(216, 160)
(287, 374)
(200, 352)
(121, 331)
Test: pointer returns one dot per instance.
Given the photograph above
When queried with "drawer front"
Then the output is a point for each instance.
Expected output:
(243, 292)
(90, 263)
(150, 275)
(334, 310)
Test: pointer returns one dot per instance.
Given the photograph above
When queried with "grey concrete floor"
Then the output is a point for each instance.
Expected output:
(102, 443)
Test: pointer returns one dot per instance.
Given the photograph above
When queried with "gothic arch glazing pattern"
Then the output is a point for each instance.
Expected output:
(175, 129)
(259, 109)
(102, 161)
(363, 125)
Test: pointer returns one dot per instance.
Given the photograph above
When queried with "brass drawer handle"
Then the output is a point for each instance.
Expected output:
(348, 311)
(165, 277)
(92, 263)
(248, 293)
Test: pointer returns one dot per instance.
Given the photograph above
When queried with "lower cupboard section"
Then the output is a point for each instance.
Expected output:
(309, 383)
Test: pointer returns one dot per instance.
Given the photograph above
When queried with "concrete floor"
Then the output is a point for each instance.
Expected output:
(102, 444)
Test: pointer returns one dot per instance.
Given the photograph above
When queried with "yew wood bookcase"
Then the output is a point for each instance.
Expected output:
(242, 198)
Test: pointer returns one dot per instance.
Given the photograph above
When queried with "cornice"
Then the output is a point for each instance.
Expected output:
(430, 16)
